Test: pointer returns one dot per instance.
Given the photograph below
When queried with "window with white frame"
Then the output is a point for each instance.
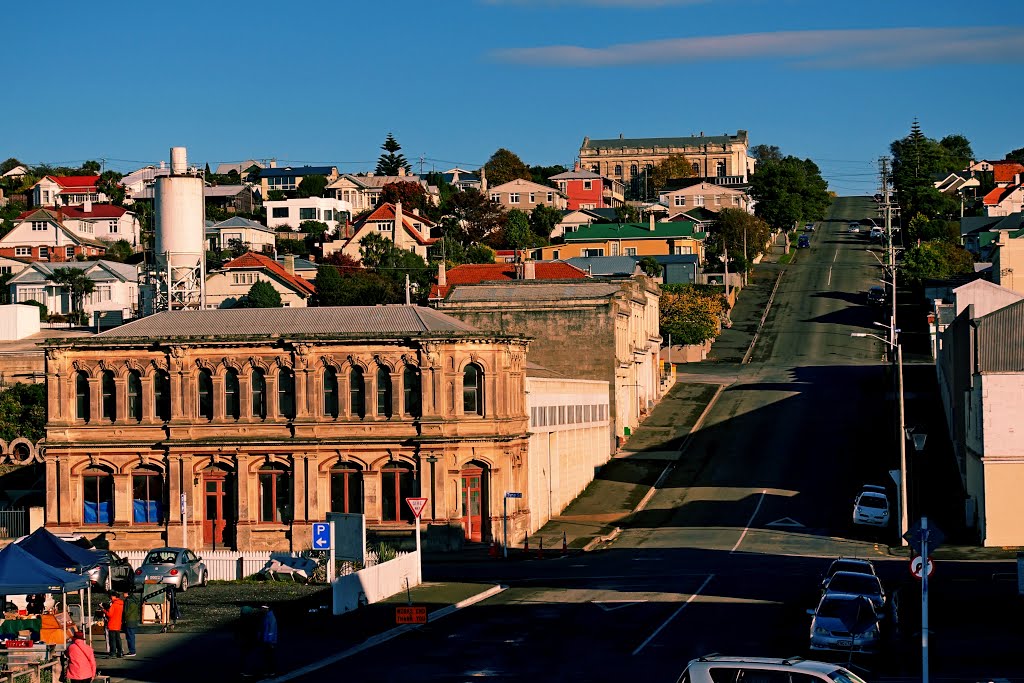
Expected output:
(281, 183)
(680, 200)
(307, 214)
(630, 251)
(718, 200)
(279, 212)
(44, 252)
(46, 196)
(496, 197)
(32, 294)
(615, 248)
(682, 250)
(588, 184)
(23, 251)
(533, 197)
(244, 278)
(593, 252)
(39, 225)
(69, 253)
(112, 227)
(551, 197)
(513, 197)
(328, 214)
(698, 200)
(385, 226)
(101, 294)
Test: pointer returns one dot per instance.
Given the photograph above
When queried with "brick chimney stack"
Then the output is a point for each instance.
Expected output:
(289, 264)
(442, 275)
(650, 217)
(399, 220)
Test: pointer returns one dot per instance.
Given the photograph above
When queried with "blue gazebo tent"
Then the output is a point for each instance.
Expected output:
(22, 574)
(55, 552)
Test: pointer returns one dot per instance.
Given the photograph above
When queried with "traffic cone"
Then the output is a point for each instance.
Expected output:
(493, 551)
(540, 548)
(565, 545)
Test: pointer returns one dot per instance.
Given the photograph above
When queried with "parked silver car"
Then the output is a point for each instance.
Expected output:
(852, 583)
(845, 623)
(179, 567)
(848, 564)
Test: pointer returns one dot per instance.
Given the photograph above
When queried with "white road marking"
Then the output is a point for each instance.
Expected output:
(675, 614)
(829, 283)
(612, 605)
(786, 521)
(836, 256)
(747, 528)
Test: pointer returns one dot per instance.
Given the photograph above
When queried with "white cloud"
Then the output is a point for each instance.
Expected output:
(890, 47)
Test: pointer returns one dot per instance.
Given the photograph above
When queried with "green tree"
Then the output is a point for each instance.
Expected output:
(935, 261)
(921, 227)
(915, 160)
(627, 213)
(517, 233)
(120, 251)
(543, 220)
(329, 286)
(480, 253)
(766, 153)
(789, 190)
(375, 250)
(478, 214)
(504, 166)
(261, 295)
(692, 314)
(8, 164)
(23, 411)
(78, 286)
(110, 185)
(410, 193)
(312, 186)
(91, 168)
(729, 231)
(650, 266)
(1016, 155)
(390, 163)
(540, 174)
(671, 167)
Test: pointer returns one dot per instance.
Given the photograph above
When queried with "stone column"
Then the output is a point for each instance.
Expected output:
(95, 400)
(194, 507)
(244, 397)
(122, 499)
(397, 392)
(53, 498)
(302, 407)
(271, 396)
(370, 393)
(120, 399)
(344, 395)
(219, 404)
(70, 511)
(173, 497)
(313, 511)
(148, 400)
(299, 487)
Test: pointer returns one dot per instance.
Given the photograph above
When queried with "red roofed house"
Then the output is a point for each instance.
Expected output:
(476, 273)
(408, 231)
(225, 287)
(65, 190)
(51, 235)
(1003, 201)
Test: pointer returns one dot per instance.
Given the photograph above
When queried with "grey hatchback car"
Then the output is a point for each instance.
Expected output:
(179, 567)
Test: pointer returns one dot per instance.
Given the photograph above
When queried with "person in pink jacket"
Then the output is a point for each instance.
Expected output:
(81, 661)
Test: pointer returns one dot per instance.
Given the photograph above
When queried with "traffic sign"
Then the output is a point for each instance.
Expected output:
(411, 614)
(321, 535)
(184, 506)
(916, 563)
(915, 535)
(514, 494)
(417, 505)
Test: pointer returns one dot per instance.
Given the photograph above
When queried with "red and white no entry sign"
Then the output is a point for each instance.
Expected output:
(917, 563)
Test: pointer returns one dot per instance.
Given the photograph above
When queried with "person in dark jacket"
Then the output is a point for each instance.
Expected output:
(268, 640)
(131, 620)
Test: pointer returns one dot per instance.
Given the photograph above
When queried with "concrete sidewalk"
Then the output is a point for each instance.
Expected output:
(305, 639)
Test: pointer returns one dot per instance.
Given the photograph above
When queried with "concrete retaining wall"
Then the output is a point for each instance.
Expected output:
(376, 583)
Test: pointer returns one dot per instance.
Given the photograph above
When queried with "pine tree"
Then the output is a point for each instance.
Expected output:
(916, 139)
(391, 161)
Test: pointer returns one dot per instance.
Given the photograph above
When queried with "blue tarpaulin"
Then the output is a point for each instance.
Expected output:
(147, 511)
(57, 553)
(97, 513)
(23, 574)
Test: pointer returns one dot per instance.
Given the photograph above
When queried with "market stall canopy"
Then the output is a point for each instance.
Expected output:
(23, 574)
(55, 552)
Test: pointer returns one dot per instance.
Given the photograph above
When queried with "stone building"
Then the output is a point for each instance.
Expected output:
(583, 329)
(236, 428)
(724, 159)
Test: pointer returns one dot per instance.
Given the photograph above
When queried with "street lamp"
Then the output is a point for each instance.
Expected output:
(903, 431)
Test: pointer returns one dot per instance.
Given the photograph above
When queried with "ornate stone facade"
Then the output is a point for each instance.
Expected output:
(253, 436)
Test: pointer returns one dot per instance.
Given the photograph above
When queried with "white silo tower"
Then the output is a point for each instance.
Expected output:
(179, 272)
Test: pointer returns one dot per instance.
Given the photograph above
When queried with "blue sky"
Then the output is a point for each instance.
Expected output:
(323, 81)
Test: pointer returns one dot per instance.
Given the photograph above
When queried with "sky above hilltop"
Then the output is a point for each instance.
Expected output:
(324, 81)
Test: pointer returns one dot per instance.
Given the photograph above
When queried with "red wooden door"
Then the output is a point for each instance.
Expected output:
(218, 520)
(472, 504)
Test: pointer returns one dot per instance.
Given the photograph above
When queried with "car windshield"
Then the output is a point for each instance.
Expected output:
(853, 583)
(871, 501)
(844, 676)
(161, 557)
(855, 567)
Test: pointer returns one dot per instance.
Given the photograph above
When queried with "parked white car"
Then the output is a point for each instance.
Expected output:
(719, 669)
(871, 507)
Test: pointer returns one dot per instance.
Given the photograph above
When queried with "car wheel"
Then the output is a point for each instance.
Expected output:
(204, 580)
(184, 583)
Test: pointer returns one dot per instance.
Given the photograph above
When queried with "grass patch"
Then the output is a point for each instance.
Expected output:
(786, 258)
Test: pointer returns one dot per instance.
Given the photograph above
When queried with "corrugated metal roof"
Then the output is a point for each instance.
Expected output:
(644, 143)
(286, 322)
(296, 171)
(548, 291)
(605, 265)
(1000, 340)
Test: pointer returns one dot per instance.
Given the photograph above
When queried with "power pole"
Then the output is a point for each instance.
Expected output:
(887, 217)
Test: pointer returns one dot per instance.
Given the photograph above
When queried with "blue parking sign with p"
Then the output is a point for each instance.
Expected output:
(321, 536)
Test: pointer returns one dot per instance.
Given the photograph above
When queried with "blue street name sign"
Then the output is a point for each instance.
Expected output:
(514, 494)
(321, 536)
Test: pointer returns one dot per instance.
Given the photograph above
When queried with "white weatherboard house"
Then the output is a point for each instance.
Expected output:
(115, 289)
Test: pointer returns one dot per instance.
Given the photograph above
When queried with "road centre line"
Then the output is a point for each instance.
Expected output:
(672, 616)
(829, 283)
(836, 256)
(747, 528)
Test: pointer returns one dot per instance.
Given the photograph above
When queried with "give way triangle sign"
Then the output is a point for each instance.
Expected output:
(417, 505)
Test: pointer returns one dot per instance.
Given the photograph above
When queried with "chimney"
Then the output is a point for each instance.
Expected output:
(577, 167)
(483, 181)
(401, 171)
(289, 264)
(442, 275)
(650, 218)
(87, 207)
(399, 219)
(520, 270)
(530, 270)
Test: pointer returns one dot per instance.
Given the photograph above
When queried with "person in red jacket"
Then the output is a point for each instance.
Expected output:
(81, 661)
(114, 613)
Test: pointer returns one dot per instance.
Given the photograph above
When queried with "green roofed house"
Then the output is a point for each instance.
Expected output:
(629, 239)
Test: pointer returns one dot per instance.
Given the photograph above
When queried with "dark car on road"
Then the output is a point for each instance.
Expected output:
(876, 296)
(803, 242)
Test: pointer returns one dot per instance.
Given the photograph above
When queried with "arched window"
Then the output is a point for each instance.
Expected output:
(97, 496)
(396, 482)
(331, 392)
(696, 168)
(286, 393)
(147, 496)
(634, 170)
(411, 389)
(82, 396)
(259, 393)
(618, 170)
(205, 386)
(357, 393)
(346, 488)
(135, 396)
(232, 405)
(383, 392)
(162, 395)
(473, 390)
(109, 390)
(275, 494)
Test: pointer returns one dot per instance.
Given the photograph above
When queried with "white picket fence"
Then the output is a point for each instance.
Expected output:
(223, 565)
